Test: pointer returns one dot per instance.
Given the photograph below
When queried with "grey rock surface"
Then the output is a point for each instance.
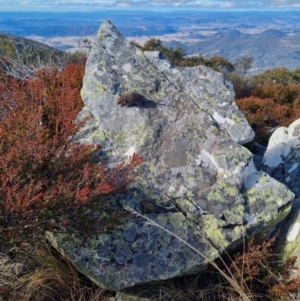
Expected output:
(282, 157)
(288, 240)
(10, 269)
(197, 182)
(282, 161)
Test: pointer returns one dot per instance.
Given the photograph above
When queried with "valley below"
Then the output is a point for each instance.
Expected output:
(271, 38)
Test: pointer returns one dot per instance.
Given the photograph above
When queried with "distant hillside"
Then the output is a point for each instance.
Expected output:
(270, 37)
(269, 49)
(27, 50)
(272, 33)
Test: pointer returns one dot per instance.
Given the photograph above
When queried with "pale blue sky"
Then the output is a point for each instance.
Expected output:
(88, 5)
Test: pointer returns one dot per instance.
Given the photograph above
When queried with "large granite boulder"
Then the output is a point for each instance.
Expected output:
(198, 183)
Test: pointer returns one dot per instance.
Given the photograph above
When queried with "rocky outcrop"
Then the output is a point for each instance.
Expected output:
(198, 192)
(282, 161)
(282, 157)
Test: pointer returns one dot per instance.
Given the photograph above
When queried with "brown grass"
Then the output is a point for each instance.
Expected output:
(53, 279)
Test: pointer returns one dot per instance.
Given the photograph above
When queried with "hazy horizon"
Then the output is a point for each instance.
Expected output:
(271, 37)
(151, 10)
(156, 5)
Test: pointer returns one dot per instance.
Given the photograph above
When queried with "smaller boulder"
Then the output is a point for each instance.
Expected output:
(282, 161)
(282, 157)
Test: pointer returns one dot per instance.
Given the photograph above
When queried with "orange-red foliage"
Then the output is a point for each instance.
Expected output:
(258, 269)
(264, 111)
(265, 114)
(281, 93)
(46, 181)
(269, 99)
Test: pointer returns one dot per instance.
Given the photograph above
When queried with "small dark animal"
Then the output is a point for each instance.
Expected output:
(130, 99)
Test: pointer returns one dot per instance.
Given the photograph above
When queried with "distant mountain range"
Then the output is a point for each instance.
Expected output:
(270, 48)
(271, 38)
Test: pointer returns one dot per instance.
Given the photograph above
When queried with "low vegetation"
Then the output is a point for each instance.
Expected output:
(268, 100)
(177, 56)
(48, 182)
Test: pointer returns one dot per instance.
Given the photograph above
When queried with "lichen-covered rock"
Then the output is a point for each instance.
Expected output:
(10, 269)
(282, 161)
(198, 183)
(282, 157)
(287, 244)
(288, 240)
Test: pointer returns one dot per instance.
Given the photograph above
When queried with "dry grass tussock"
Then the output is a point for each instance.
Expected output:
(53, 279)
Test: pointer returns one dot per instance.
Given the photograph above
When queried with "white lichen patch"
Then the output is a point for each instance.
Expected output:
(182, 189)
(171, 189)
(130, 151)
(218, 118)
(293, 232)
(230, 121)
(223, 104)
(138, 78)
(127, 67)
(207, 160)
